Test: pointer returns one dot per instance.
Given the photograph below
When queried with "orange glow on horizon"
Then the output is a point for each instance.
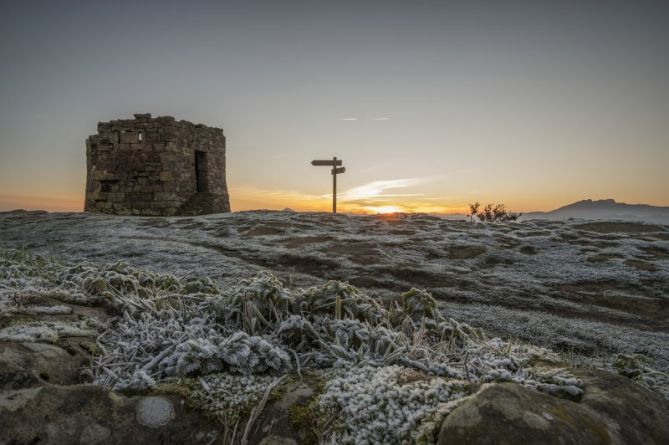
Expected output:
(250, 198)
(383, 209)
(245, 198)
(57, 203)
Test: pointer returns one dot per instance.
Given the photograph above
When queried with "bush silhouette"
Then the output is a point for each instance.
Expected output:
(492, 213)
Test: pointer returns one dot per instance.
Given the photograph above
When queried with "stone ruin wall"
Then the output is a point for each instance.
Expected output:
(147, 166)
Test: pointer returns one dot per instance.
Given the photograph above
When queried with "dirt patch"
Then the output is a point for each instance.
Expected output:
(494, 261)
(656, 251)
(528, 250)
(358, 252)
(620, 227)
(308, 264)
(507, 241)
(641, 265)
(368, 281)
(465, 252)
(408, 232)
(419, 278)
(264, 231)
(532, 233)
(618, 296)
(602, 258)
(602, 244)
(293, 243)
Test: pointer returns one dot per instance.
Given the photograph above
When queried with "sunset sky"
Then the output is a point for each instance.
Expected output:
(430, 104)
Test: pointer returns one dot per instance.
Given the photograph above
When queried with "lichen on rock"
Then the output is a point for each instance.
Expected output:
(154, 412)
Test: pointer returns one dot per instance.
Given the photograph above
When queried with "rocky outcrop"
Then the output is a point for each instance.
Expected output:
(613, 410)
(88, 414)
(23, 365)
(42, 399)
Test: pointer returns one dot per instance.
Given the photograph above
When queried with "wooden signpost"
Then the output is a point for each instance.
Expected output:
(336, 170)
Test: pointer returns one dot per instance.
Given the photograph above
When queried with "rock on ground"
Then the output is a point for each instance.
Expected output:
(88, 414)
(613, 410)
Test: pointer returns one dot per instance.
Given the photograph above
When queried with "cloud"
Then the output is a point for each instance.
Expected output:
(373, 197)
(348, 119)
(377, 188)
(381, 118)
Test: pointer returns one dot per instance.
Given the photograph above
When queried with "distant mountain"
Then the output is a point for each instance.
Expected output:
(605, 209)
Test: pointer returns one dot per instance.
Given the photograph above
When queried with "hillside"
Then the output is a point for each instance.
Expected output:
(605, 209)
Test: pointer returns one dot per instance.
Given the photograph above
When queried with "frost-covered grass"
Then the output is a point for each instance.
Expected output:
(46, 331)
(229, 397)
(387, 404)
(277, 301)
(523, 266)
(261, 327)
(170, 328)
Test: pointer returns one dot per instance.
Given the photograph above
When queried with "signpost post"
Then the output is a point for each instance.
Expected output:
(337, 169)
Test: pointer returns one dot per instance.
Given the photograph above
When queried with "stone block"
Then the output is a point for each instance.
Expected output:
(98, 196)
(98, 175)
(116, 197)
(129, 137)
(165, 196)
(156, 187)
(144, 197)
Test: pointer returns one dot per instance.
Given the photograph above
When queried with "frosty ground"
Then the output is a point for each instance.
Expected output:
(386, 364)
(586, 288)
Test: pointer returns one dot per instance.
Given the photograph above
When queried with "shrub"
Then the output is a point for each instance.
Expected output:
(492, 213)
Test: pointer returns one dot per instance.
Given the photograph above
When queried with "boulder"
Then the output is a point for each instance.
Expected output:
(88, 414)
(23, 365)
(634, 413)
(613, 410)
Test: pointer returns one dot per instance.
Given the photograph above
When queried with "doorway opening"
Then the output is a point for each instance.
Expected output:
(201, 182)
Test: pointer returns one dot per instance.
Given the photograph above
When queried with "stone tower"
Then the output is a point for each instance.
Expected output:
(156, 166)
